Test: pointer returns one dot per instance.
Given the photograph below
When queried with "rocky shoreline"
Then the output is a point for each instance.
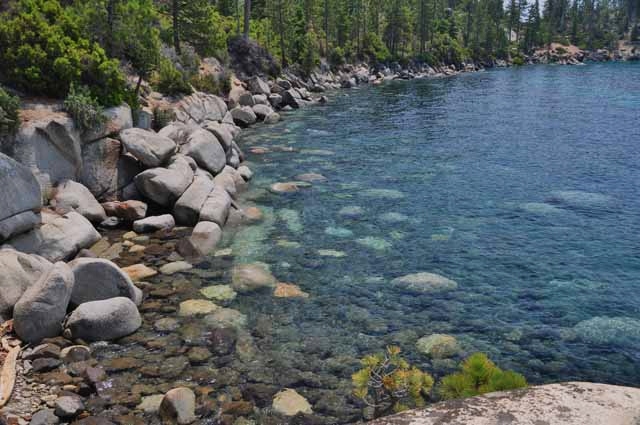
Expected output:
(77, 205)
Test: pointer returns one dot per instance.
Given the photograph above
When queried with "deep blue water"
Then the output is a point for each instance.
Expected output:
(522, 185)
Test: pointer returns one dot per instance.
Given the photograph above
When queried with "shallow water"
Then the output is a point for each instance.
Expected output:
(522, 185)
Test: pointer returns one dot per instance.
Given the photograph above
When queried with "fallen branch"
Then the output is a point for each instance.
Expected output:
(8, 375)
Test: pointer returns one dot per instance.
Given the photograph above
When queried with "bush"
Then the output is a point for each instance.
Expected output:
(215, 84)
(517, 61)
(83, 108)
(169, 80)
(162, 117)
(479, 375)
(388, 383)
(9, 113)
(43, 53)
(336, 58)
(374, 49)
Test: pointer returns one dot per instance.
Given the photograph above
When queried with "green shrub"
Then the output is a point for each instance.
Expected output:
(83, 108)
(336, 58)
(9, 113)
(387, 383)
(479, 375)
(215, 84)
(162, 117)
(374, 48)
(44, 52)
(517, 60)
(169, 80)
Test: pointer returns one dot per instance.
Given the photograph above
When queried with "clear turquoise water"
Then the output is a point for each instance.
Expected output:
(522, 185)
(476, 165)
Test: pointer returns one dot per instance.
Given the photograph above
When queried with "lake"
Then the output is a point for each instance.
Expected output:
(521, 185)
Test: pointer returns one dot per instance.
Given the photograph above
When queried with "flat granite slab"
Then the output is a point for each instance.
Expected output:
(571, 403)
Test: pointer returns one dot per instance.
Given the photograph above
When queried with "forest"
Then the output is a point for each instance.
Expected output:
(50, 45)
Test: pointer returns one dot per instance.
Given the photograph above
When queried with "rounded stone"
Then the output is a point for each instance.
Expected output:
(438, 346)
(289, 403)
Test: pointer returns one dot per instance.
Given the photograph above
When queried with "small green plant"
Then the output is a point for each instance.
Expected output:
(479, 375)
(9, 113)
(336, 58)
(83, 108)
(169, 80)
(162, 117)
(216, 84)
(388, 383)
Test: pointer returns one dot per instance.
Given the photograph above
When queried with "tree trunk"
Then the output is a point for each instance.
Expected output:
(281, 24)
(247, 17)
(176, 25)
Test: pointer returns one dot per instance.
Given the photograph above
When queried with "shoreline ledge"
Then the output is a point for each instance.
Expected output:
(570, 403)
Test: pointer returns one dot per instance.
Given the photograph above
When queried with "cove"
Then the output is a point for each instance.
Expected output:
(520, 185)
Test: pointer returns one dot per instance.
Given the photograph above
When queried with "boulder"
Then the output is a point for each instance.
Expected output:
(246, 99)
(245, 172)
(200, 107)
(251, 277)
(176, 131)
(262, 111)
(71, 196)
(289, 403)
(103, 320)
(155, 223)
(275, 100)
(187, 210)
(41, 310)
(438, 346)
(165, 185)
(178, 407)
(230, 180)
(204, 147)
(216, 207)
(203, 241)
(258, 86)
(244, 116)
(44, 417)
(292, 98)
(20, 196)
(60, 238)
(272, 118)
(424, 283)
(222, 133)
(118, 118)
(98, 279)
(68, 407)
(51, 147)
(126, 210)
(19, 272)
(570, 403)
(260, 99)
(151, 149)
(284, 84)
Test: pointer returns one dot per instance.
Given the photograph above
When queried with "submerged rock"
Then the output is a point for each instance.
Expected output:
(352, 211)
(289, 290)
(251, 277)
(289, 403)
(438, 346)
(580, 199)
(220, 293)
(424, 282)
(226, 318)
(175, 267)
(196, 308)
(178, 407)
(139, 272)
(609, 330)
(378, 244)
(338, 232)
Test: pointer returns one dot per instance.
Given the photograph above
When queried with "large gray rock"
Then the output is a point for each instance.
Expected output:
(262, 111)
(187, 209)
(19, 272)
(571, 403)
(230, 180)
(244, 116)
(216, 207)
(293, 98)
(41, 310)
(246, 99)
(258, 86)
(71, 196)
(60, 238)
(176, 131)
(20, 195)
(222, 133)
(118, 118)
(165, 185)
(200, 107)
(51, 148)
(206, 150)
(98, 279)
(203, 241)
(149, 148)
(103, 320)
(155, 223)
